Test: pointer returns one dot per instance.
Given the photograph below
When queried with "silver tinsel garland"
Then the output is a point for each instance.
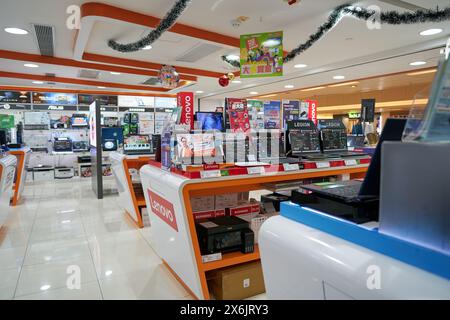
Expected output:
(390, 17)
(166, 23)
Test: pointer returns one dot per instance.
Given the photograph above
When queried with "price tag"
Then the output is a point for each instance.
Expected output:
(351, 162)
(322, 164)
(255, 170)
(210, 174)
(291, 167)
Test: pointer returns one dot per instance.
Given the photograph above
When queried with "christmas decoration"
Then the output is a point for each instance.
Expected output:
(389, 17)
(224, 81)
(166, 23)
(231, 76)
(169, 77)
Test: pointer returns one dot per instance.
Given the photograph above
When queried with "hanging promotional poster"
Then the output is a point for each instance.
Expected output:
(291, 111)
(15, 97)
(272, 114)
(311, 106)
(238, 116)
(256, 113)
(262, 55)
(55, 98)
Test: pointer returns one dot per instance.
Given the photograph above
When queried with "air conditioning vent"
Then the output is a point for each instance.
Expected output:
(153, 81)
(198, 52)
(50, 75)
(88, 74)
(45, 38)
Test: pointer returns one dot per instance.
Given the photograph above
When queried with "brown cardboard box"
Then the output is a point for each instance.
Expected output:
(239, 282)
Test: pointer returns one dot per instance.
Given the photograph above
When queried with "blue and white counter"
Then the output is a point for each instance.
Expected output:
(306, 254)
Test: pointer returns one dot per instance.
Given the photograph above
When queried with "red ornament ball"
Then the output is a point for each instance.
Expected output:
(224, 81)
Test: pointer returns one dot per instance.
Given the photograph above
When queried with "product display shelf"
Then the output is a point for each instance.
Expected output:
(173, 227)
(131, 202)
(7, 171)
(22, 155)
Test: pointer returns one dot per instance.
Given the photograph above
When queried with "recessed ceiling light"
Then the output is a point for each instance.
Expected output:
(108, 273)
(312, 89)
(101, 87)
(430, 32)
(253, 92)
(338, 77)
(199, 91)
(45, 287)
(233, 57)
(147, 47)
(115, 73)
(300, 65)
(31, 65)
(236, 81)
(417, 63)
(289, 86)
(343, 84)
(16, 31)
(38, 82)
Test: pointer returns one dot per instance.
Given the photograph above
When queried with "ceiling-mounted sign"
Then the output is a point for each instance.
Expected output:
(262, 55)
(42, 107)
(15, 97)
(354, 115)
(55, 98)
(368, 110)
(136, 101)
(87, 99)
(9, 106)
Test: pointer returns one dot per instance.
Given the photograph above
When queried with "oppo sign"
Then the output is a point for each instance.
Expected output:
(163, 209)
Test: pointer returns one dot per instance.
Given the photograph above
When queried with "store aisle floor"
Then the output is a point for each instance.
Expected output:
(61, 228)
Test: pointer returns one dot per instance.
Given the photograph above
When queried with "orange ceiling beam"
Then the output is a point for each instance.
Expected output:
(108, 11)
(146, 65)
(19, 56)
(62, 90)
(15, 75)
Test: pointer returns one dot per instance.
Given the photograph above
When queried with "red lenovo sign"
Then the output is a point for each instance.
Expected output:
(312, 111)
(186, 102)
(163, 209)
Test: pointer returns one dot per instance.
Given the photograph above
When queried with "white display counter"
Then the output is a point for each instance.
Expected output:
(173, 233)
(23, 156)
(305, 262)
(7, 172)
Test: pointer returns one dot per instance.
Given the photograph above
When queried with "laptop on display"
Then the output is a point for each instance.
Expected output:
(137, 144)
(303, 140)
(356, 190)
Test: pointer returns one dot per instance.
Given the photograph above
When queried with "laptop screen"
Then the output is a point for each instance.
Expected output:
(137, 143)
(303, 137)
(333, 135)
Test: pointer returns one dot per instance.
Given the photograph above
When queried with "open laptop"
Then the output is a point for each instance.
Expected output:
(369, 189)
(137, 145)
(355, 141)
(333, 138)
(303, 140)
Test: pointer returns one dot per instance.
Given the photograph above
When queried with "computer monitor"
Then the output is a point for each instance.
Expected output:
(113, 133)
(333, 135)
(210, 121)
(137, 144)
(303, 137)
(79, 120)
(355, 141)
(393, 131)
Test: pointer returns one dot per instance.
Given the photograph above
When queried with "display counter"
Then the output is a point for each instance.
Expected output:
(23, 156)
(173, 231)
(307, 254)
(7, 172)
(130, 193)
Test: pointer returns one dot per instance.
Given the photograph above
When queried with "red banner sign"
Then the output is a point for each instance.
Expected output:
(163, 209)
(186, 102)
(312, 113)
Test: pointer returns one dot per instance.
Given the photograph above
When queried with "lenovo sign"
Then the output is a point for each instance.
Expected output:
(163, 209)
(312, 114)
(186, 103)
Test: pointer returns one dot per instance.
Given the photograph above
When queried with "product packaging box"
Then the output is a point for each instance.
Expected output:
(209, 214)
(205, 203)
(247, 208)
(236, 283)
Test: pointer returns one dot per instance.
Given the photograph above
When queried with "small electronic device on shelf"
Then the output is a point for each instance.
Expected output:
(79, 120)
(80, 146)
(225, 234)
(137, 144)
(62, 145)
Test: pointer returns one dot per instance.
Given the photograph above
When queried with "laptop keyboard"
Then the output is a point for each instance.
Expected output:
(345, 191)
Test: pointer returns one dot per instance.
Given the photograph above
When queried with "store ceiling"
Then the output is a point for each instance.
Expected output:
(350, 49)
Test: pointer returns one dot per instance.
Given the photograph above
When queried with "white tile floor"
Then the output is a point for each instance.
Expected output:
(60, 224)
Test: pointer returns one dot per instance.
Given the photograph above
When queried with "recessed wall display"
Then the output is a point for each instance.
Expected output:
(15, 97)
(87, 99)
(136, 101)
(55, 98)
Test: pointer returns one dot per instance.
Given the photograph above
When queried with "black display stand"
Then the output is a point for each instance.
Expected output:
(96, 150)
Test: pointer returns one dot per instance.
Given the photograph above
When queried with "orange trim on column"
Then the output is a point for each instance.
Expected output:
(108, 11)
(79, 81)
(19, 56)
(147, 65)
(112, 93)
